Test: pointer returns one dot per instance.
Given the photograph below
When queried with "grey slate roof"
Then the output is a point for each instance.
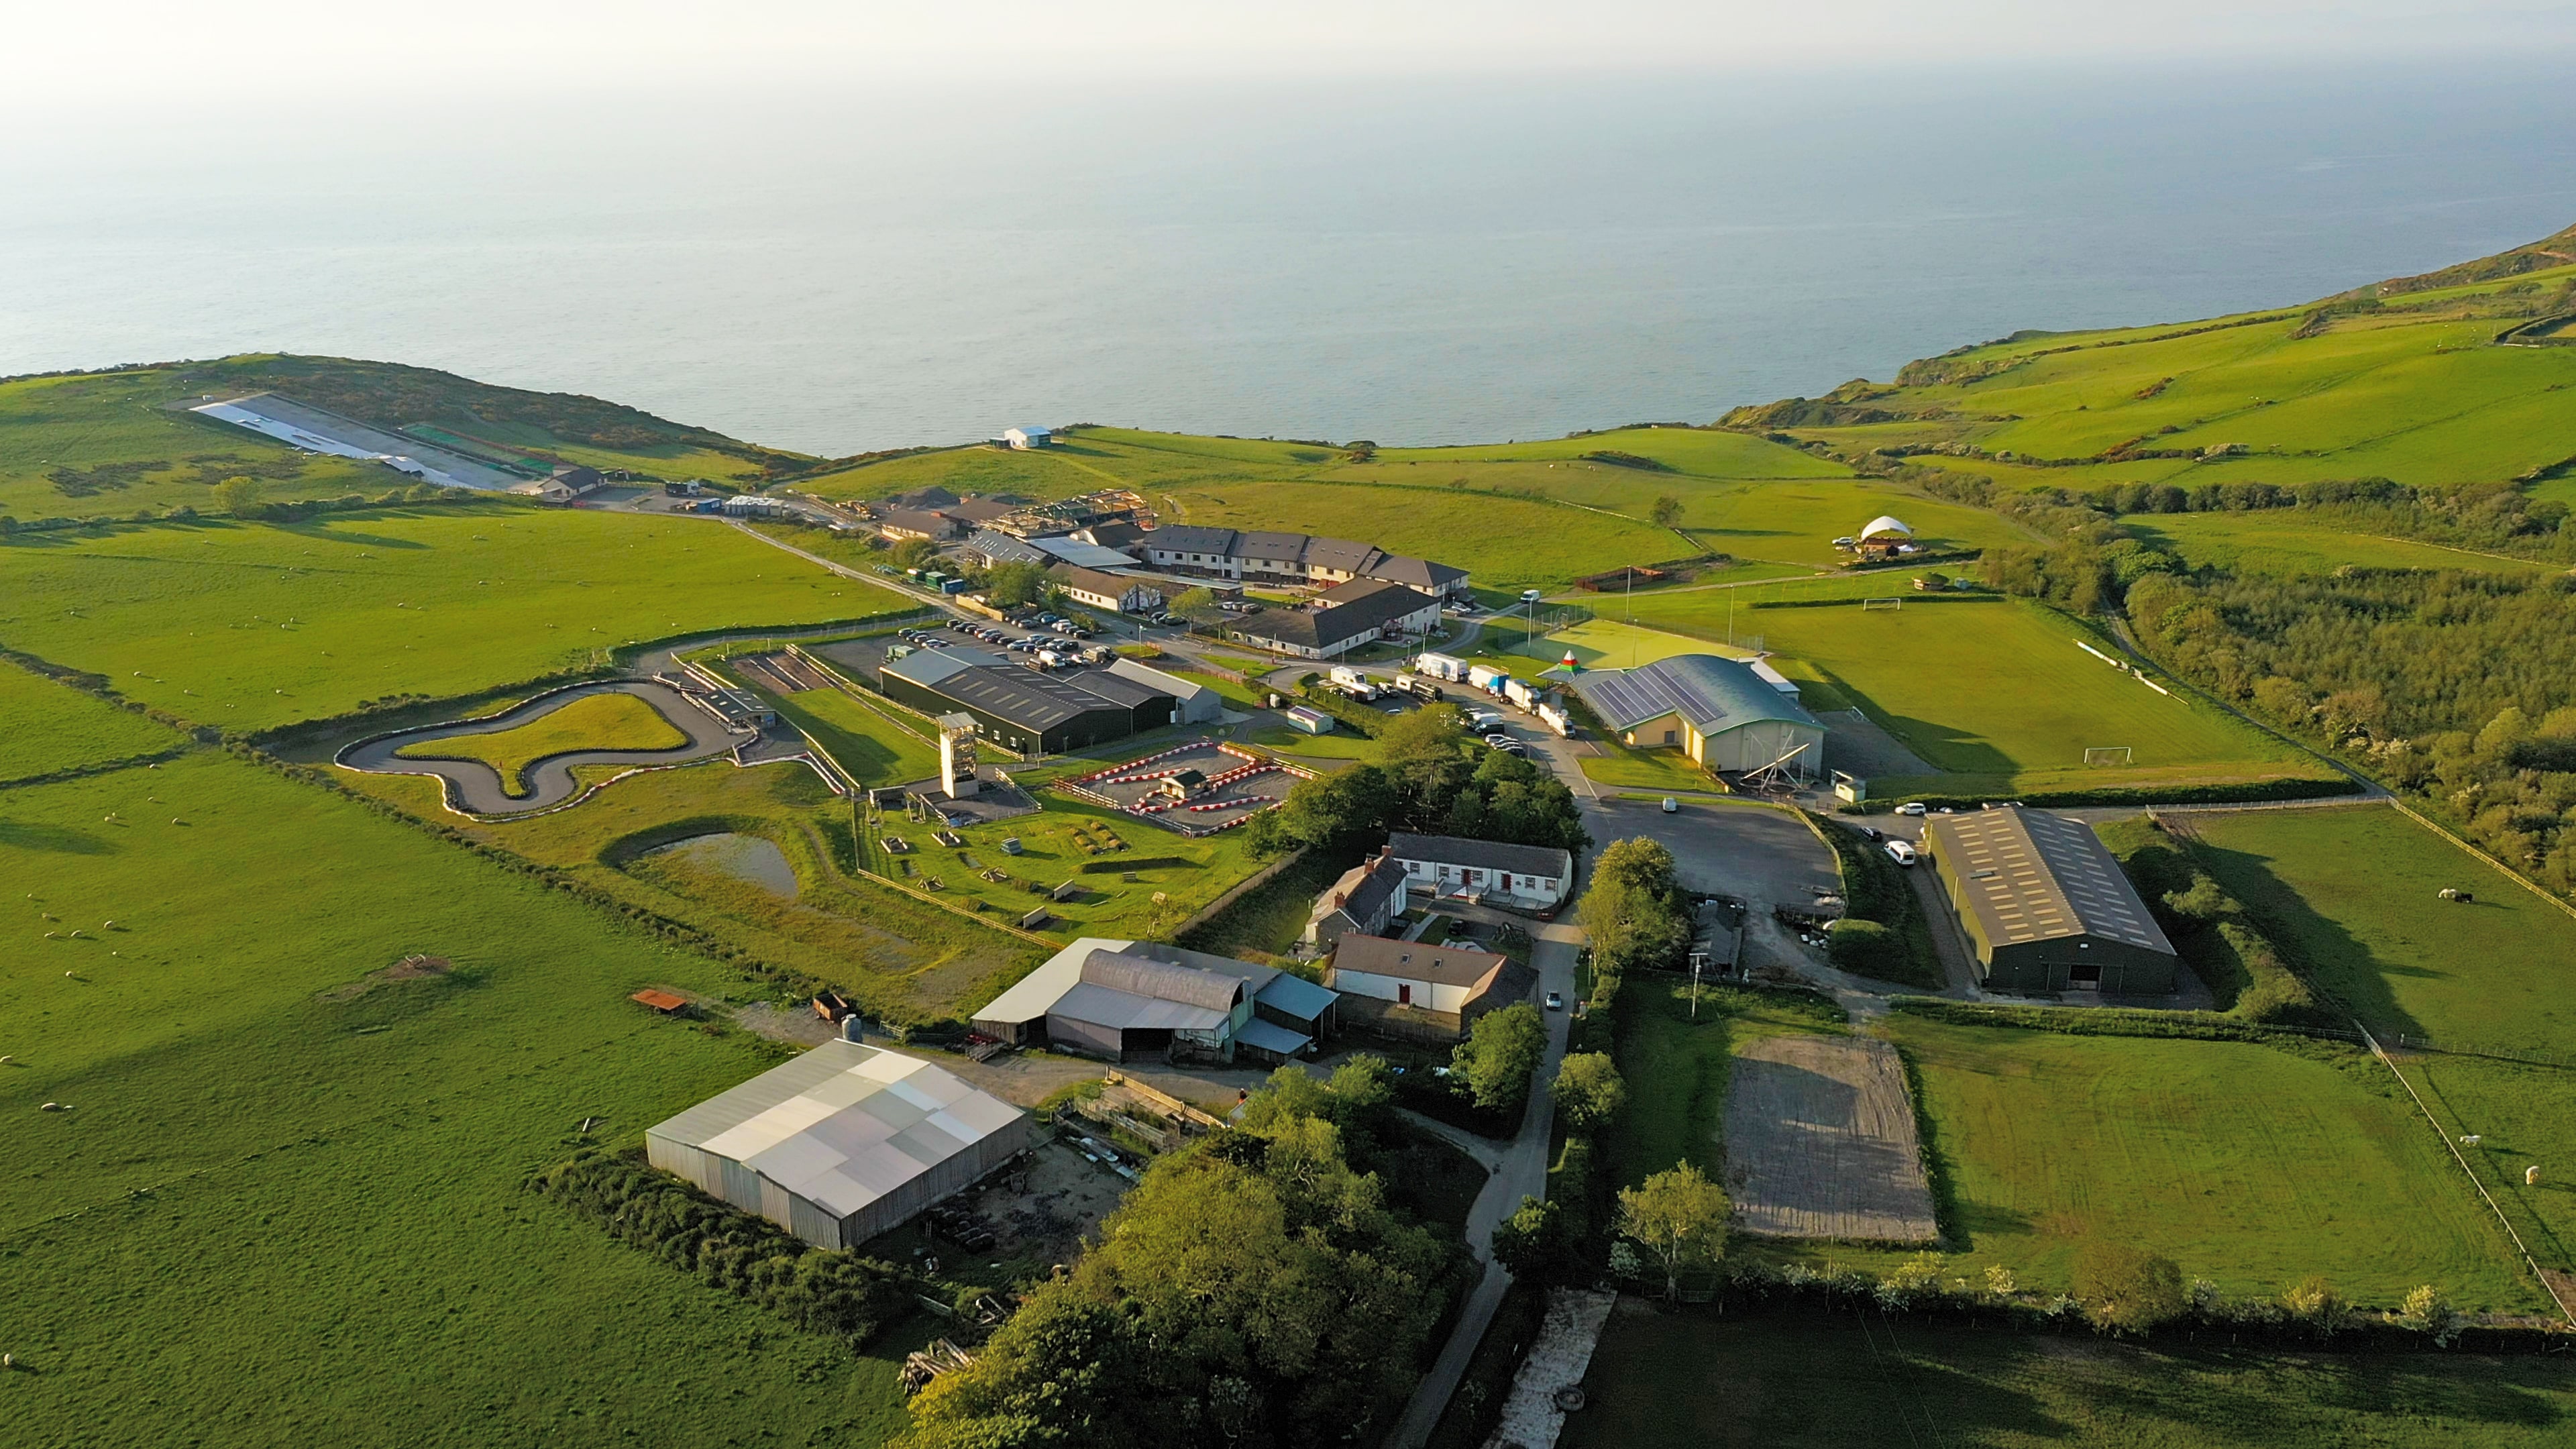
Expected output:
(1341, 553)
(1023, 696)
(1712, 693)
(1374, 605)
(2033, 876)
(1002, 548)
(1420, 573)
(1191, 538)
(1539, 860)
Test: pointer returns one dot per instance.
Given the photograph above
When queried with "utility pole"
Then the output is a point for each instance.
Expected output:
(1698, 960)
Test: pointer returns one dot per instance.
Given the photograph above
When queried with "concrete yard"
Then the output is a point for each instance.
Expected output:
(1820, 1142)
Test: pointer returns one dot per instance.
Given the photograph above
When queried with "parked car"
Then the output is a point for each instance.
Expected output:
(1555, 1001)
(1911, 807)
(1672, 806)
(1873, 832)
(1901, 852)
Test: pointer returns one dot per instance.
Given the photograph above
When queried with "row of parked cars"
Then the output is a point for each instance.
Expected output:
(1490, 727)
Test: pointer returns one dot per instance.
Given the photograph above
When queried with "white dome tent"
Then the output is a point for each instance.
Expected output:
(1885, 528)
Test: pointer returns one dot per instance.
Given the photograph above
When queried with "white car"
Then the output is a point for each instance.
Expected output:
(1672, 806)
(1911, 807)
(1901, 851)
(1555, 1001)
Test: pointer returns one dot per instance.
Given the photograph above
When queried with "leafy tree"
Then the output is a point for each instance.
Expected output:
(1589, 1091)
(2317, 1303)
(239, 495)
(913, 553)
(1633, 910)
(2429, 1310)
(1011, 585)
(1198, 605)
(2127, 1289)
(1535, 1243)
(1866, 947)
(1500, 1056)
(1667, 512)
(1677, 1218)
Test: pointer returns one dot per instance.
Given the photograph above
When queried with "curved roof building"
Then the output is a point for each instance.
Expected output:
(1717, 711)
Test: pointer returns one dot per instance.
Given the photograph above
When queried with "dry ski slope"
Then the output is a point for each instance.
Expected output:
(1820, 1142)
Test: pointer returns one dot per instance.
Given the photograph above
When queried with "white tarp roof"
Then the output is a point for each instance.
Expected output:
(844, 1124)
(1885, 524)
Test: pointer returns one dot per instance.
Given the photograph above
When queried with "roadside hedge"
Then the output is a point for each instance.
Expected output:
(817, 1289)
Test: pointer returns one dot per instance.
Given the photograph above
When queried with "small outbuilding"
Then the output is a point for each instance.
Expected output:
(1027, 437)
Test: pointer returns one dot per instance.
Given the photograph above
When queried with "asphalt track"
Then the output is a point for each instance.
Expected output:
(474, 788)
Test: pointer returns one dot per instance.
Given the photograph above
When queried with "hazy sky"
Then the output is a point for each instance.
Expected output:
(424, 52)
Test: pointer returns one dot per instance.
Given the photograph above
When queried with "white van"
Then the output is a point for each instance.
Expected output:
(1901, 851)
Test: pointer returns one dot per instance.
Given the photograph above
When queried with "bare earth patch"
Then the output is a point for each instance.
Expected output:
(409, 968)
(1820, 1142)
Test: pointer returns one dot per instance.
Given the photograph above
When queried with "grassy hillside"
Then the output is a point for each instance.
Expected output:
(286, 1203)
(2412, 381)
(111, 443)
(1592, 497)
(256, 625)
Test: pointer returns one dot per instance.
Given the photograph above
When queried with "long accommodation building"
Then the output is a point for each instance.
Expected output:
(2045, 906)
(1262, 556)
(1338, 621)
(1392, 983)
(1720, 712)
(1533, 877)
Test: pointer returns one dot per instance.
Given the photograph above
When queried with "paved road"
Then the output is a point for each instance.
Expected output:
(474, 788)
(1521, 1171)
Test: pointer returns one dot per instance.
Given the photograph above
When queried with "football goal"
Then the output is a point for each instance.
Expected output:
(2106, 755)
(1869, 604)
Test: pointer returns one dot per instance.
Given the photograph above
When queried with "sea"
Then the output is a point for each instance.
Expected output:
(1408, 259)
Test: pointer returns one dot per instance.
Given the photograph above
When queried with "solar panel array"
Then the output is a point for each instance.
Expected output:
(1710, 692)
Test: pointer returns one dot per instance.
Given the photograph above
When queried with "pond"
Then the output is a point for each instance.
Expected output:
(751, 858)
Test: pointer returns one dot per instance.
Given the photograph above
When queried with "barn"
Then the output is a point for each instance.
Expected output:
(1720, 712)
(841, 1144)
(1131, 1001)
(2044, 905)
(1032, 712)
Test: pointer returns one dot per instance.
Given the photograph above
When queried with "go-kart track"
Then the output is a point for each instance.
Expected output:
(1232, 785)
(475, 788)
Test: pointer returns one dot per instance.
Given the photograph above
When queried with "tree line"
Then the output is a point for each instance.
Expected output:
(1427, 777)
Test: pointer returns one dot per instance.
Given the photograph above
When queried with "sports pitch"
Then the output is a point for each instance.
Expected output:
(1996, 694)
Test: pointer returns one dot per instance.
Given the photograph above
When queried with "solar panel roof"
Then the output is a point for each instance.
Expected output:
(2033, 876)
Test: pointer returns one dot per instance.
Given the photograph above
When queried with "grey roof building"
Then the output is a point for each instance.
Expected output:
(1350, 616)
(1533, 875)
(841, 1144)
(2046, 906)
(1143, 1000)
(1717, 711)
(1029, 711)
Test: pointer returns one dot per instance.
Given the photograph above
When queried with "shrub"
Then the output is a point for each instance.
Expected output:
(2126, 1289)
(1865, 947)
(814, 1288)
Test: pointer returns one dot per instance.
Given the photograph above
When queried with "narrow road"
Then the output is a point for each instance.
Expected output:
(1522, 1172)
(474, 788)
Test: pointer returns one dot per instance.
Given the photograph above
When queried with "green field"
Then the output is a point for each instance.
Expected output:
(867, 738)
(2352, 893)
(2248, 1165)
(285, 1203)
(1684, 1118)
(253, 626)
(1809, 1378)
(590, 722)
(46, 727)
(2413, 391)
(892, 954)
(1995, 693)
(2284, 542)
